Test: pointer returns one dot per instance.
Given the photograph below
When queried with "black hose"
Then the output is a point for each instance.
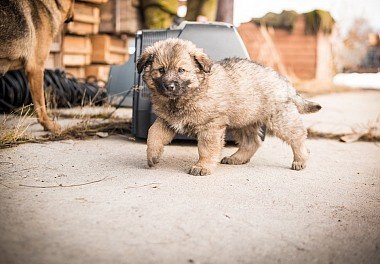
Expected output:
(63, 91)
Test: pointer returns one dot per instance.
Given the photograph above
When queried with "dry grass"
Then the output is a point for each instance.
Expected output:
(369, 137)
(90, 128)
(17, 133)
(369, 132)
(14, 128)
(87, 112)
(84, 130)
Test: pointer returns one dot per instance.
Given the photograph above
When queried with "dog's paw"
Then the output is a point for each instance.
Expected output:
(152, 161)
(52, 126)
(198, 170)
(233, 161)
(298, 165)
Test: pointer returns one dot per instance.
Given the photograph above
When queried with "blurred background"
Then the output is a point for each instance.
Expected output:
(304, 40)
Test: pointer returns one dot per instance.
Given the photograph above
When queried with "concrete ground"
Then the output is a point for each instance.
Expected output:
(95, 201)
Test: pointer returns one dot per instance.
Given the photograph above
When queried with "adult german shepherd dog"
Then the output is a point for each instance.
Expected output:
(27, 29)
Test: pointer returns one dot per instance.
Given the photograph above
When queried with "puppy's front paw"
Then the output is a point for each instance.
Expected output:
(198, 170)
(153, 155)
(298, 165)
(233, 161)
(152, 161)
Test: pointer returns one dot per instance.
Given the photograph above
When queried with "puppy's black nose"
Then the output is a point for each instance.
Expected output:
(170, 87)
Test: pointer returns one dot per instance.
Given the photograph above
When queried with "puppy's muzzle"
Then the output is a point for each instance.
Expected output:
(170, 87)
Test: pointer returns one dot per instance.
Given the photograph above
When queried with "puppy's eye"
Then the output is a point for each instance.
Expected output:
(161, 70)
(180, 70)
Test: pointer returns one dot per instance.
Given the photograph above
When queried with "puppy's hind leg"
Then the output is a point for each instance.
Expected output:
(288, 126)
(159, 134)
(249, 142)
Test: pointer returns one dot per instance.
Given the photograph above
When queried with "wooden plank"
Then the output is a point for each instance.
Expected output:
(109, 50)
(77, 72)
(54, 60)
(81, 28)
(84, 9)
(76, 50)
(76, 59)
(77, 44)
(86, 20)
(100, 72)
(120, 16)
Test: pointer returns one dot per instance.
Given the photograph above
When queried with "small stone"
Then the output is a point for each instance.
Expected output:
(102, 134)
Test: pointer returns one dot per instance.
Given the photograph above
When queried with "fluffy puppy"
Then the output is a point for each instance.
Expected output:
(193, 95)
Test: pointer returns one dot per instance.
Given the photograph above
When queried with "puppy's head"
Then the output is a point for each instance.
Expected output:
(173, 67)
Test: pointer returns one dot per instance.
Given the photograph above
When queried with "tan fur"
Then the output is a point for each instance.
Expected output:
(207, 98)
(27, 32)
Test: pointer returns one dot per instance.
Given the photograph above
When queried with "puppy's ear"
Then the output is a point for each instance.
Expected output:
(145, 60)
(202, 60)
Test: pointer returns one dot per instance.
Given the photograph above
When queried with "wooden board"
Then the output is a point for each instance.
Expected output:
(76, 50)
(109, 50)
(86, 20)
(77, 72)
(100, 72)
(77, 44)
(120, 16)
(76, 59)
(54, 60)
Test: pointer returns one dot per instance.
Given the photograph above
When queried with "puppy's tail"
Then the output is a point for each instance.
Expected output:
(305, 106)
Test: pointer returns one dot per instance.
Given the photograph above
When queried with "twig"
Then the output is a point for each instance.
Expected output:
(365, 137)
(139, 186)
(63, 186)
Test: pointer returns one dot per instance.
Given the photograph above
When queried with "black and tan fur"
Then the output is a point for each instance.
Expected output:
(27, 28)
(195, 96)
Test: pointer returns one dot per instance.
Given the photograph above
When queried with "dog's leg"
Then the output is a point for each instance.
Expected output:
(210, 143)
(288, 126)
(35, 71)
(36, 76)
(159, 134)
(249, 142)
